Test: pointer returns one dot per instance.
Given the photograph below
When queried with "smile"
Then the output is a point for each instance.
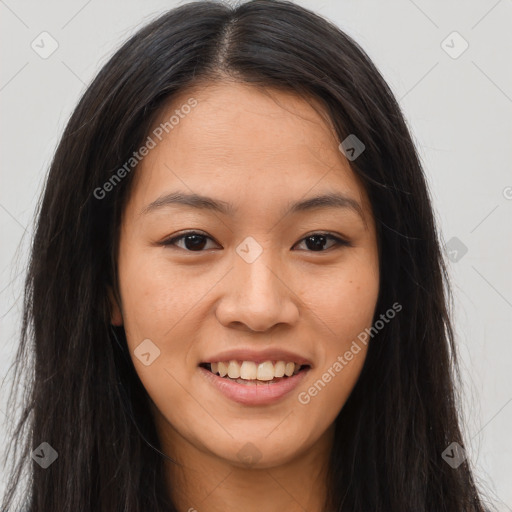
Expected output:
(250, 383)
(249, 372)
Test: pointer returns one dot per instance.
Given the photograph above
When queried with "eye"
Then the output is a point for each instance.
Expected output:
(316, 241)
(193, 241)
(197, 242)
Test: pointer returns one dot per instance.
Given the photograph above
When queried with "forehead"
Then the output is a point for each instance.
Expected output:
(240, 141)
(234, 119)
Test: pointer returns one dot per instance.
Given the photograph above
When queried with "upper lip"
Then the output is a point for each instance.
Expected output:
(257, 356)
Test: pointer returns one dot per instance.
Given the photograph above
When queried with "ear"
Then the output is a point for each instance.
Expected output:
(116, 317)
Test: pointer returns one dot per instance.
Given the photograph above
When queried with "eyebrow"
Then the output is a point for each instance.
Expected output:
(327, 200)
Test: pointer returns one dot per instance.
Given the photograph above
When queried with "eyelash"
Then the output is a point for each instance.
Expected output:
(339, 242)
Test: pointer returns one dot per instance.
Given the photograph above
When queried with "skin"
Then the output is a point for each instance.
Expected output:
(258, 150)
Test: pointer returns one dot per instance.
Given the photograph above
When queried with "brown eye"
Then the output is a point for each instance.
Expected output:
(197, 242)
(318, 241)
(192, 242)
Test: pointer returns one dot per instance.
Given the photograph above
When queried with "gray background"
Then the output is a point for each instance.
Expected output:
(459, 112)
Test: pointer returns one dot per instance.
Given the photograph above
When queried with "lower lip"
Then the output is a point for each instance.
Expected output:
(254, 394)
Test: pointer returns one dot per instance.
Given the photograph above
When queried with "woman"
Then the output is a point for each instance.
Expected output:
(236, 291)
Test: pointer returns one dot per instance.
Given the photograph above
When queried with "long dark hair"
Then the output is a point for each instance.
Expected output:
(84, 397)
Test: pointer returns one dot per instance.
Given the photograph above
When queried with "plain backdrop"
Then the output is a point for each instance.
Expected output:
(457, 102)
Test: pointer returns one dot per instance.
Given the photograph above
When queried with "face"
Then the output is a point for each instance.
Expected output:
(257, 281)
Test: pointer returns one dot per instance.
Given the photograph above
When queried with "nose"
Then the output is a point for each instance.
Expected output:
(257, 296)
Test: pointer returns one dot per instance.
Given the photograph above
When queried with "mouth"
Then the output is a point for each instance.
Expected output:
(251, 373)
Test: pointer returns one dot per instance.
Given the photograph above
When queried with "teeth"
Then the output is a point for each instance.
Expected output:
(266, 370)
(279, 369)
(222, 368)
(233, 370)
(249, 370)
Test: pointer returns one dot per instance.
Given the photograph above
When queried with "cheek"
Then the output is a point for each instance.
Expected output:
(343, 299)
(156, 295)
(343, 303)
(156, 299)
